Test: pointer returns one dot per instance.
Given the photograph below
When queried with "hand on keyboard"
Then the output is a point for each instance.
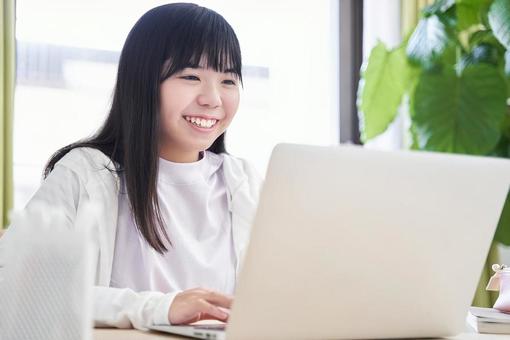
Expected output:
(199, 304)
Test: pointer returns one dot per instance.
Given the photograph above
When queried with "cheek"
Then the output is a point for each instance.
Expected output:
(231, 104)
(172, 103)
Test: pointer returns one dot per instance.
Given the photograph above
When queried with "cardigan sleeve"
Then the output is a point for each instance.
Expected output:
(63, 191)
(125, 308)
(255, 179)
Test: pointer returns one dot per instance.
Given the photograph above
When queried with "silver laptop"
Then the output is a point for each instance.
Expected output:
(350, 243)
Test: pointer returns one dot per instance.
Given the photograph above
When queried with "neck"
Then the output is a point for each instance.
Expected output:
(179, 156)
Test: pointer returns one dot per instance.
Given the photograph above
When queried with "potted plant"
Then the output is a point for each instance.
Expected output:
(451, 78)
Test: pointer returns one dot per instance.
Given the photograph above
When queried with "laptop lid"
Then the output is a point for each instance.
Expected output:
(355, 243)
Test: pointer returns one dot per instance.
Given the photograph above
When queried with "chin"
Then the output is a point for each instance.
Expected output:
(195, 145)
(202, 147)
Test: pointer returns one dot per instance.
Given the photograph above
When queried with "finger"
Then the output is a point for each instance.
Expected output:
(205, 316)
(219, 299)
(195, 318)
(202, 316)
(213, 311)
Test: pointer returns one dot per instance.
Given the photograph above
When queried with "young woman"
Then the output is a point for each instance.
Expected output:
(176, 207)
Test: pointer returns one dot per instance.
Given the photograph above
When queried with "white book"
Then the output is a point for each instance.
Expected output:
(488, 320)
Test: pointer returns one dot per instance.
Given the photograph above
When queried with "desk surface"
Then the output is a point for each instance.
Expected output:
(132, 334)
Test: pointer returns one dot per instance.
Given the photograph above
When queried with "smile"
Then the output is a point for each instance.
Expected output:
(202, 123)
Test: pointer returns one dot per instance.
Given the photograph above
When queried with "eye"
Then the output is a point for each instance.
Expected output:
(189, 77)
(229, 82)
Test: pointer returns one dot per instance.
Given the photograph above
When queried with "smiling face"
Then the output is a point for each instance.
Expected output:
(196, 107)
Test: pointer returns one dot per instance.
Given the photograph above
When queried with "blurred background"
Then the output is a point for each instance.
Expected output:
(67, 53)
(388, 74)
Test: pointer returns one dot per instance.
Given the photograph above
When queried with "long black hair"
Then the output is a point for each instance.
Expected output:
(163, 41)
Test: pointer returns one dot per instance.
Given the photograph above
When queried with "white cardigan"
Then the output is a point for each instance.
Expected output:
(81, 176)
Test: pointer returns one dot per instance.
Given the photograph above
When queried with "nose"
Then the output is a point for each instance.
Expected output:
(209, 96)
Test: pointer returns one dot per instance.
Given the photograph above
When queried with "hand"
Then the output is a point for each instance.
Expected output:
(199, 304)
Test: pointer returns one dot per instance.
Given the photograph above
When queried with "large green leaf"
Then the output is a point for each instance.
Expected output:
(445, 10)
(460, 113)
(503, 150)
(503, 229)
(499, 21)
(485, 37)
(414, 138)
(382, 84)
(428, 41)
(439, 6)
(507, 63)
(482, 53)
(469, 12)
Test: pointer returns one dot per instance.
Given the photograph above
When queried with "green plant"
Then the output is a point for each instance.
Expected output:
(454, 69)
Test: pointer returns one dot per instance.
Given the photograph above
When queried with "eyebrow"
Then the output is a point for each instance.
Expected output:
(230, 70)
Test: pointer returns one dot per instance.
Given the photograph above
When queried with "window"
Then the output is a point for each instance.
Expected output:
(68, 52)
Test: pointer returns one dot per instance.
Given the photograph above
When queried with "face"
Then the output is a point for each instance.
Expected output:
(197, 105)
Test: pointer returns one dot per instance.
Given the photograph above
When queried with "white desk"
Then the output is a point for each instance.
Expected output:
(132, 334)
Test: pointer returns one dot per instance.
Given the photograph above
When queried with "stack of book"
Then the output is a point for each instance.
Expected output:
(488, 320)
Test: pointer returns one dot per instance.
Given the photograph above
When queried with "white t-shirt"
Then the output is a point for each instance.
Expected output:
(193, 203)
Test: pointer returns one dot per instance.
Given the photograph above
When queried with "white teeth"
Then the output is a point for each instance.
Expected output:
(205, 123)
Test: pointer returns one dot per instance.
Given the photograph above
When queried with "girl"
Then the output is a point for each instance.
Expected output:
(176, 206)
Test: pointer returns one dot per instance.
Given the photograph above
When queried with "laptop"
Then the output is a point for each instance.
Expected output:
(352, 243)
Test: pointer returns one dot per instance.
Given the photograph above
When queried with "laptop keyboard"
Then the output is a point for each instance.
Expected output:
(219, 327)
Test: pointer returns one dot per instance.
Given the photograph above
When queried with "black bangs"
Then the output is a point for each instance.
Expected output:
(204, 40)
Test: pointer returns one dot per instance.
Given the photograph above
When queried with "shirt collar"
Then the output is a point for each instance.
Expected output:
(189, 173)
